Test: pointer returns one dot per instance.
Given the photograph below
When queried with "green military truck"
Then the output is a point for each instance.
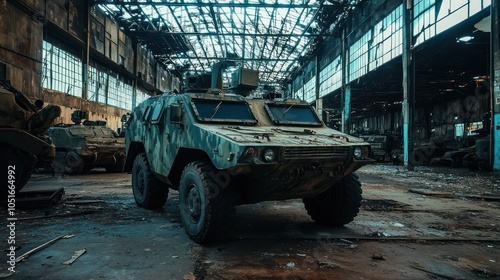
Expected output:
(220, 151)
(86, 145)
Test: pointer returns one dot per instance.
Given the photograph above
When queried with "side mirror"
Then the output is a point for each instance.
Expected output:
(175, 113)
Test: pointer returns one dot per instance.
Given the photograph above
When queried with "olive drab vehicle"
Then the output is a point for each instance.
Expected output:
(86, 145)
(23, 143)
(222, 150)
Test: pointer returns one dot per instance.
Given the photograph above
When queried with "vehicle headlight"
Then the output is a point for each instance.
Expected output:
(268, 155)
(358, 153)
(248, 155)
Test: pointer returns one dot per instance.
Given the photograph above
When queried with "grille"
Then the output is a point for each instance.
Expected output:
(315, 153)
(376, 145)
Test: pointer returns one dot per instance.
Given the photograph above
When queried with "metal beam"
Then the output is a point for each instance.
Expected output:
(149, 37)
(300, 37)
(229, 34)
(408, 84)
(319, 101)
(86, 53)
(263, 49)
(235, 58)
(180, 28)
(345, 99)
(303, 33)
(206, 4)
(195, 29)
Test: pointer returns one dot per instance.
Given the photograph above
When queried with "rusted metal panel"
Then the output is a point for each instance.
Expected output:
(97, 35)
(129, 54)
(57, 14)
(114, 52)
(36, 5)
(162, 80)
(21, 50)
(76, 18)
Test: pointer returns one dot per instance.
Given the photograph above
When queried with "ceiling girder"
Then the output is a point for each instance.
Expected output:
(206, 4)
(234, 58)
(193, 34)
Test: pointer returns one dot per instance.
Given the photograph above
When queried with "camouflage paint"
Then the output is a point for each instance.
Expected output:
(308, 159)
(97, 145)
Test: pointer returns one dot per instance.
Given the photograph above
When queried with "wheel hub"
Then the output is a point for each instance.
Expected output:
(194, 204)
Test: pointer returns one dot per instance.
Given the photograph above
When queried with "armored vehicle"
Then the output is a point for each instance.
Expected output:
(83, 146)
(22, 137)
(382, 145)
(220, 151)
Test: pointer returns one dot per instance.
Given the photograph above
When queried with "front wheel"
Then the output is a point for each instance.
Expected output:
(338, 205)
(207, 208)
(149, 192)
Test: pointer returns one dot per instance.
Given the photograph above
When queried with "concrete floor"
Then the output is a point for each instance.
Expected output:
(449, 232)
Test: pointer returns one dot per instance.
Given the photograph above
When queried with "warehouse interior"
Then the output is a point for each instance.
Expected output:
(250, 139)
(344, 57)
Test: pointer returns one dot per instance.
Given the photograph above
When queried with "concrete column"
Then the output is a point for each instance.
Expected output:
(136, 59)
(345, 101)
(495, 86)
(319, 101)
(303, 76)
(408, 83)
(106, 91)
(319, 108)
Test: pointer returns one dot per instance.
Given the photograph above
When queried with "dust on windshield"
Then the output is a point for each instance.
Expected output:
(223, 111)
(292, 114)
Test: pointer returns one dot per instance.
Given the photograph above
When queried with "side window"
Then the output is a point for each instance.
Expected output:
(147, 114)
(157, 113)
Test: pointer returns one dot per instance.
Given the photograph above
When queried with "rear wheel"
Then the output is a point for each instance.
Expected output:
(74, 163)
(207, 209)
(118, 166)
(149, 192)
(338, 205)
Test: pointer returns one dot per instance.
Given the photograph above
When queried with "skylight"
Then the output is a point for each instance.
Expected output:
(192, 35)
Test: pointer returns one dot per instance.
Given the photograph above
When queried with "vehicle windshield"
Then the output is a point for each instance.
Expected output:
(223, 111)
(292, 114)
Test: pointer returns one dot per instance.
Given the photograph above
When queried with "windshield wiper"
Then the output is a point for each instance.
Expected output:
(286, 111)
(216, 109)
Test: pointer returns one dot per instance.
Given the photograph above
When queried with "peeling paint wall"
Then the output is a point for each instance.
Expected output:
(109, 40)
(97, 111)
(21, 47)
(23, 24)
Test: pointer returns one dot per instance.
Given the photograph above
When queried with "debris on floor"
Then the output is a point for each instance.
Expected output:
(44, 245)
(189, 276)
(378, 257)
(39, 198)
(75, 256)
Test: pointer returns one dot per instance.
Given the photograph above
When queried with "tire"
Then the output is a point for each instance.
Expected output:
(149, 192)
(338, 205)
(29, 167)
(74, 163)
(22, 166)
(118, 166)
(207, 209)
